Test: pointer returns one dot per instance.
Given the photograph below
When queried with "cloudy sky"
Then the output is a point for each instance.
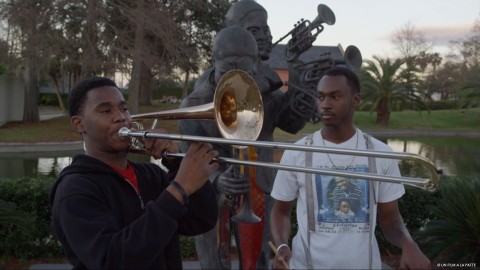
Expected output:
(369, 24)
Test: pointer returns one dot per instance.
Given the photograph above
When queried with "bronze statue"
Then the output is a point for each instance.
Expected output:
(233, 48)
(288, 111)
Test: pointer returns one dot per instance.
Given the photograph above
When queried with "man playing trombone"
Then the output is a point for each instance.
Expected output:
(325, 240)
(113, 213)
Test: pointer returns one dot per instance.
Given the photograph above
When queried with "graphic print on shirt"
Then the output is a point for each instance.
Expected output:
(343, 203)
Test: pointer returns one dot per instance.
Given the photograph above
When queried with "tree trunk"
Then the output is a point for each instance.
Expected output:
(383, 112)
(89, 51)
(30, 111)
(146, 79)
(185, 85)
(59, 96)
(134, 85)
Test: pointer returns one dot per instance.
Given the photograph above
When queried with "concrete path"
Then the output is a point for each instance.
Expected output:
(187, 265)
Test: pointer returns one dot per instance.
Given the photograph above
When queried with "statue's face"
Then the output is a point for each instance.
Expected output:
(256, 23)
(222, 66)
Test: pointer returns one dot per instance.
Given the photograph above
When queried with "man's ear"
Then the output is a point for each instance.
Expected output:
(77, 123)
(357, 100)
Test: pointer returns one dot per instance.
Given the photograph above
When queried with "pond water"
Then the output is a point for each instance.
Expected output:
(455, 156)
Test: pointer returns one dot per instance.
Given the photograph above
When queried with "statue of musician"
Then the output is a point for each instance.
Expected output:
(279, 112)
(233, 48)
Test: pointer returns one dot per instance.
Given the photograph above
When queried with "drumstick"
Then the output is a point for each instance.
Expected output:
(274, 249)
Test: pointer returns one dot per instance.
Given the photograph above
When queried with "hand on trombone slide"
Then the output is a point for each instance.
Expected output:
(156, 147)
(196, 165)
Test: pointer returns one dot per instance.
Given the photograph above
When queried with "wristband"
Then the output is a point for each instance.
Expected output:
(282, 245)
(181, 190)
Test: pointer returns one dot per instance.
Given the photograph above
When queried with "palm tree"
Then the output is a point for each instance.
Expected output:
(454, 235)
(387, 84)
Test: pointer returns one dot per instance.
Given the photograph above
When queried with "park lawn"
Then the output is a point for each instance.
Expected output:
(59, 130)
(444, 120)
(441, 120)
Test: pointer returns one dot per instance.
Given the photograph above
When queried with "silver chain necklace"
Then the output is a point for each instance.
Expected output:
(330, 159)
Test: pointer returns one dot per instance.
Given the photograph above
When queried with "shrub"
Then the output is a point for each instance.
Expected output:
(25, 221)
(414, 207)
(31, 196)
(51, 99)
(3, 69)
(442, 105)
(455, 235)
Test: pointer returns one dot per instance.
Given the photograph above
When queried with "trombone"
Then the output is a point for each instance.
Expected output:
(238, 111)
(428, 184)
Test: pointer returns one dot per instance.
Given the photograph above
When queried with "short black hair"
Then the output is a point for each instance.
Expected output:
(352, 78)
(78, 95)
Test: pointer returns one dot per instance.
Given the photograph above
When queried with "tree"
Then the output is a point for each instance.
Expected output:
(444, 81)
(32, 20)
(199, 22)
(468, 50)
(385, 85)
(410, 42)
(415, 49)
(468, 94)
(90, 53)
(145, 41)
(31, 25)
(90, 37)
(54, 71)
(465, 56)
(134, 85)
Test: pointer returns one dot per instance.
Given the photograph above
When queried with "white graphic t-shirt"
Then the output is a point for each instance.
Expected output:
(343, 205)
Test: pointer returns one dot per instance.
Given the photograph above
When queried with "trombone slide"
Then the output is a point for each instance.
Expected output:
(426, 184)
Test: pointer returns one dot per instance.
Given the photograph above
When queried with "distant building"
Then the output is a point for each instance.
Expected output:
(12, 101)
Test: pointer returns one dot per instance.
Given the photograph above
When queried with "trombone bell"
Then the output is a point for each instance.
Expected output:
(237, 108)
(240, 113)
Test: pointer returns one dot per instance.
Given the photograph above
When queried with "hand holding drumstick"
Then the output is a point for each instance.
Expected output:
(281, 256)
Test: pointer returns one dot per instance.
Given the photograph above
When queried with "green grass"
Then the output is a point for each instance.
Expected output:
(58, 129)
(445, 120)
(442, 120)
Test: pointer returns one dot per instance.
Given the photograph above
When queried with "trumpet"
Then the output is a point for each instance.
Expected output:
(305, 32)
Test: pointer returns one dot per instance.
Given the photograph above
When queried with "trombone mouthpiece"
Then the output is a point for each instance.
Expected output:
(124, 132)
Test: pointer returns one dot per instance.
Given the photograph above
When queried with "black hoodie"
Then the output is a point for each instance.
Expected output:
(103, 223)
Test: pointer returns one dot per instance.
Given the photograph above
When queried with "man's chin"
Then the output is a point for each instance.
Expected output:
(121, 146)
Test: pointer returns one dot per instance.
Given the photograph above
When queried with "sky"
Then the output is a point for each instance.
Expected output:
(370, 24)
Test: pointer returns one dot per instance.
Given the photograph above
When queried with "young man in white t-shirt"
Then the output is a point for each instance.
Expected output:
(347, 241)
